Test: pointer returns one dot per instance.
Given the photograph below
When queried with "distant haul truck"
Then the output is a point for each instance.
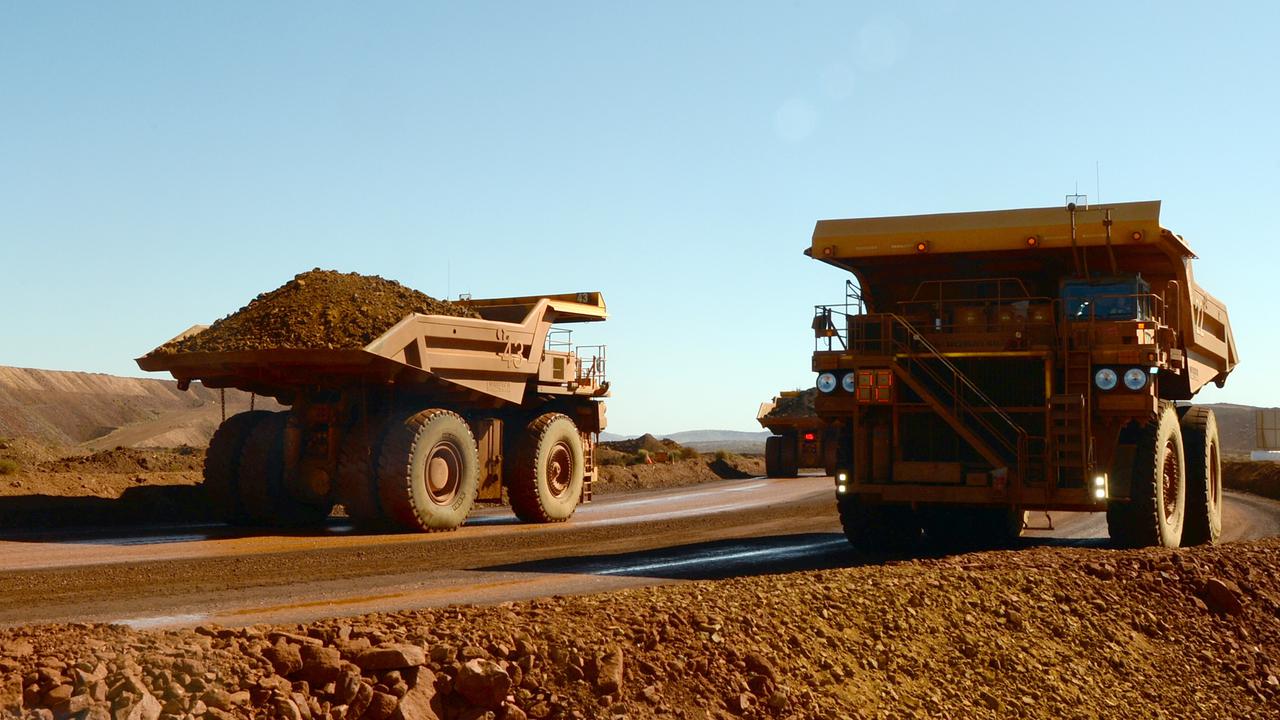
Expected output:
(990, 363)
(410, 431)
(800, 439)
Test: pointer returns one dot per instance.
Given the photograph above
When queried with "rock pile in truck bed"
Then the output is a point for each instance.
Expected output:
(317, 309)
(1046, 633)
(796, 406)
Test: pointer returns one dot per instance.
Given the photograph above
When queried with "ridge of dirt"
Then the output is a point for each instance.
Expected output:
(1040, 633)
(645, 442)
(1259, 478)
(317, 309)
(129, 460)
(67, 409)
(617, 478)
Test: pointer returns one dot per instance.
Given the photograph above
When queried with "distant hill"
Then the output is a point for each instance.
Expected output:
(1236, 427)
(736, 441)
(98, 411)
(707, 436)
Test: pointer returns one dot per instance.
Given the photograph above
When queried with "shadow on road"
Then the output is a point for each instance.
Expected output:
(745, 557)
(710, 560)
(136, 505)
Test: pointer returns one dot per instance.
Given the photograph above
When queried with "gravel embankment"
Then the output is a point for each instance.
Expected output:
(1041, 633)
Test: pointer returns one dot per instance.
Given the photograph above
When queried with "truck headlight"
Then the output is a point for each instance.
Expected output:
(1105, 379)
(1135, 378)
(826, 382)
(849, 382)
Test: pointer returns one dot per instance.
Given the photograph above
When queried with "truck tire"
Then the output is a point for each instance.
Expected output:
(1155, 512)
(428, 471)
(773, 456)
(878, 528)
(788, 460)
(1204, 477)
(264, 498)
(357, 487)
(546, 479)
(830, 457)
(222, 465)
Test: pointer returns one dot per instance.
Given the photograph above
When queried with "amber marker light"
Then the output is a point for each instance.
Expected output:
(828, 251)
(1033, 241)
(1136, 235)
(922, 246)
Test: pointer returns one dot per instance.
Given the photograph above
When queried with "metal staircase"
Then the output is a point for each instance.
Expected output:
(973, 415)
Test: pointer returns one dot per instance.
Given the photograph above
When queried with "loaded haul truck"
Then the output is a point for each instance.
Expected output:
(799, 438)
(412, 429)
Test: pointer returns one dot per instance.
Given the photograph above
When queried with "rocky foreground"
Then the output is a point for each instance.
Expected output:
(1040, 633)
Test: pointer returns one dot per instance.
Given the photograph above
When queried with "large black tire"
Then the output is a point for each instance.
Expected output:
(1156, 510)
(222, 465)
(880, 527)
(428, 471)
(830, 456)
(357, 485)
(788, 457)
(772, 456)
(1204, 477)
(264, 498)
(951, 527)
(545, 481)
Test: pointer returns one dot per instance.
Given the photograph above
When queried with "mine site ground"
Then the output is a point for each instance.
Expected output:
(694, 588)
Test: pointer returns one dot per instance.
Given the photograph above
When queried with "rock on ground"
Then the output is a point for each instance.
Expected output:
(1039, 633)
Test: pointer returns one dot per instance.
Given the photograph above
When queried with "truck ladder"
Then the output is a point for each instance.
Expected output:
(1069, 421)
(981, 423)
(588, 461)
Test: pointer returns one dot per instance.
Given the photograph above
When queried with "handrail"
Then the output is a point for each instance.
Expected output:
(591, 364)
(958, 400)
(987, 282)
(560, 339)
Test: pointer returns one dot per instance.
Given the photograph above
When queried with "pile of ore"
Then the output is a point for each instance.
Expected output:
(800, 405)
(320, 309)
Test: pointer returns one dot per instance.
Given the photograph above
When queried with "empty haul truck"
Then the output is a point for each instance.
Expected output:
(986, 364)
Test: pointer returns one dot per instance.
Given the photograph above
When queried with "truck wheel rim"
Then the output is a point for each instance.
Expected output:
(1169, 482)
(559, 469)
(444, 470)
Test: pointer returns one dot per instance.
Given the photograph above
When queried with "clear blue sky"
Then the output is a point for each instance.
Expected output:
(161, 163)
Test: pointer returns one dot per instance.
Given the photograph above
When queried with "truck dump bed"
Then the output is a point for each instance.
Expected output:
(893, 256)
(492, 360)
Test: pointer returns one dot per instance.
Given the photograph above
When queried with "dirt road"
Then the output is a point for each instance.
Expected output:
(187, 575)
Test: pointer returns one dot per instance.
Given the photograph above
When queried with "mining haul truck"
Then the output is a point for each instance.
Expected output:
(991, 363)
(413, 429)
(800, 439)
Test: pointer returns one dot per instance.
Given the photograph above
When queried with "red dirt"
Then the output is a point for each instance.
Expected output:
(1041, 633)
(1259, 478)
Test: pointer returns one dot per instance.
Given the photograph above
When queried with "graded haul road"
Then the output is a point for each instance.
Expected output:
(986, 364)
(408, 429)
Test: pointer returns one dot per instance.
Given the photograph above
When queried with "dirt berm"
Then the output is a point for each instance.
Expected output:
(1041, 633)
(317, 309)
